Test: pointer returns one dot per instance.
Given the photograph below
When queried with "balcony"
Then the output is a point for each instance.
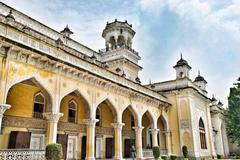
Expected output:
(38, 115)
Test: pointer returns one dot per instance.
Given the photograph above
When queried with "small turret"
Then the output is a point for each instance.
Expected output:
(10, 16)
(182, 68)
(200, 81)
(66, 32)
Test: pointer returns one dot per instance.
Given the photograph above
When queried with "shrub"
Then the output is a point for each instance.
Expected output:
(54, 151)
(164, 157)
(156, 152)
(185, 151)
(202, 158)
(173, 157)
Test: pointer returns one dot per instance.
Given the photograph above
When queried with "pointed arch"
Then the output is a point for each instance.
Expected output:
(40, 92)
(149, 115)
(163, 119)
(110, 105)
(133, 115)
(36, 79)
(147, 121)
(202, 134)
(82, 105)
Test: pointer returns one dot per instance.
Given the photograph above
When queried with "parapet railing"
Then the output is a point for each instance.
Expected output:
(115, 48)
(22, 154)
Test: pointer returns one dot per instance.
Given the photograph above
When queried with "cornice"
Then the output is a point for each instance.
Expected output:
(44, 62)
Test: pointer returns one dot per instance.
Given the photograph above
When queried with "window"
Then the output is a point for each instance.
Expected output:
(72, 108)
(98, 116)
(181, 74)
(38, 106)
(132, 122)
(202, 134)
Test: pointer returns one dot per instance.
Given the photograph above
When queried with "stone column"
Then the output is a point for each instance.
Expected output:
(118, 140)
(52, 119)
(154, 136)
(3, 108)
(90, 153)
(168, 142)
(139, 150)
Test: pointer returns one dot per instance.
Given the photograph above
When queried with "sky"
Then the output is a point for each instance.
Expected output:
(206, 32)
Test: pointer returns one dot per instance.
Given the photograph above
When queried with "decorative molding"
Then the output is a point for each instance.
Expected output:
(3, 108)
(23, 122)
(91, 123)
(138, 129)
(184, 124)
(154, 131)
(118, 125)
(52, 117)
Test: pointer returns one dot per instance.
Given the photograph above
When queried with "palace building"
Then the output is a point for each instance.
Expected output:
(56, 90)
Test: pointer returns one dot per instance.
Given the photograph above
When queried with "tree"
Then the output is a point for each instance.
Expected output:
(232, 114)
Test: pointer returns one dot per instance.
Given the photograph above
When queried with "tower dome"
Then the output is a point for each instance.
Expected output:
(200, 81)
(182, 68)
(118, 34)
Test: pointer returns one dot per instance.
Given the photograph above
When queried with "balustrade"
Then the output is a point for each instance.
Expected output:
(22, 154)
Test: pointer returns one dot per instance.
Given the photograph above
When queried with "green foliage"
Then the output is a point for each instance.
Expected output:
(232, 114)
(54, 151)
(164, 157)
(173, 157)
(156, 152)
(202, 158)
(185, 151)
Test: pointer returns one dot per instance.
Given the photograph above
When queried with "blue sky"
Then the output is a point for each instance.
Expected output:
(207, 32)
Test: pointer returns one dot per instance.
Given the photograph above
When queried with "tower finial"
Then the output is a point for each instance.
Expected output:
(198, 72)
(181, 55)
(150, 82)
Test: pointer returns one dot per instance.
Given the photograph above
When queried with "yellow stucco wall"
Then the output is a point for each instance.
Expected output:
(174, 126)
(20, 97)
(81, 108)
(106, 115)
(126, 118)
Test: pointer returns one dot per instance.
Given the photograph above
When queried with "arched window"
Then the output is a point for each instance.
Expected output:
(132, 122)
(202, 134)
(98, 116)
(38, 105)
(72, 111)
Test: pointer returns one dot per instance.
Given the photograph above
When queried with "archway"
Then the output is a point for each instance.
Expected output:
(75, 109)
(129, 118)
(162, 126)
(28, 100)
(104, 147)
(120, 41)
(147, 123)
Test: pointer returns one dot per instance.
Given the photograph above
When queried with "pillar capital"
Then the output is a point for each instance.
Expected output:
(90, 122)
(118, 125)
(167, 132)
(154, 130)
(52, 117)
(4, 107)
(138, 129)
